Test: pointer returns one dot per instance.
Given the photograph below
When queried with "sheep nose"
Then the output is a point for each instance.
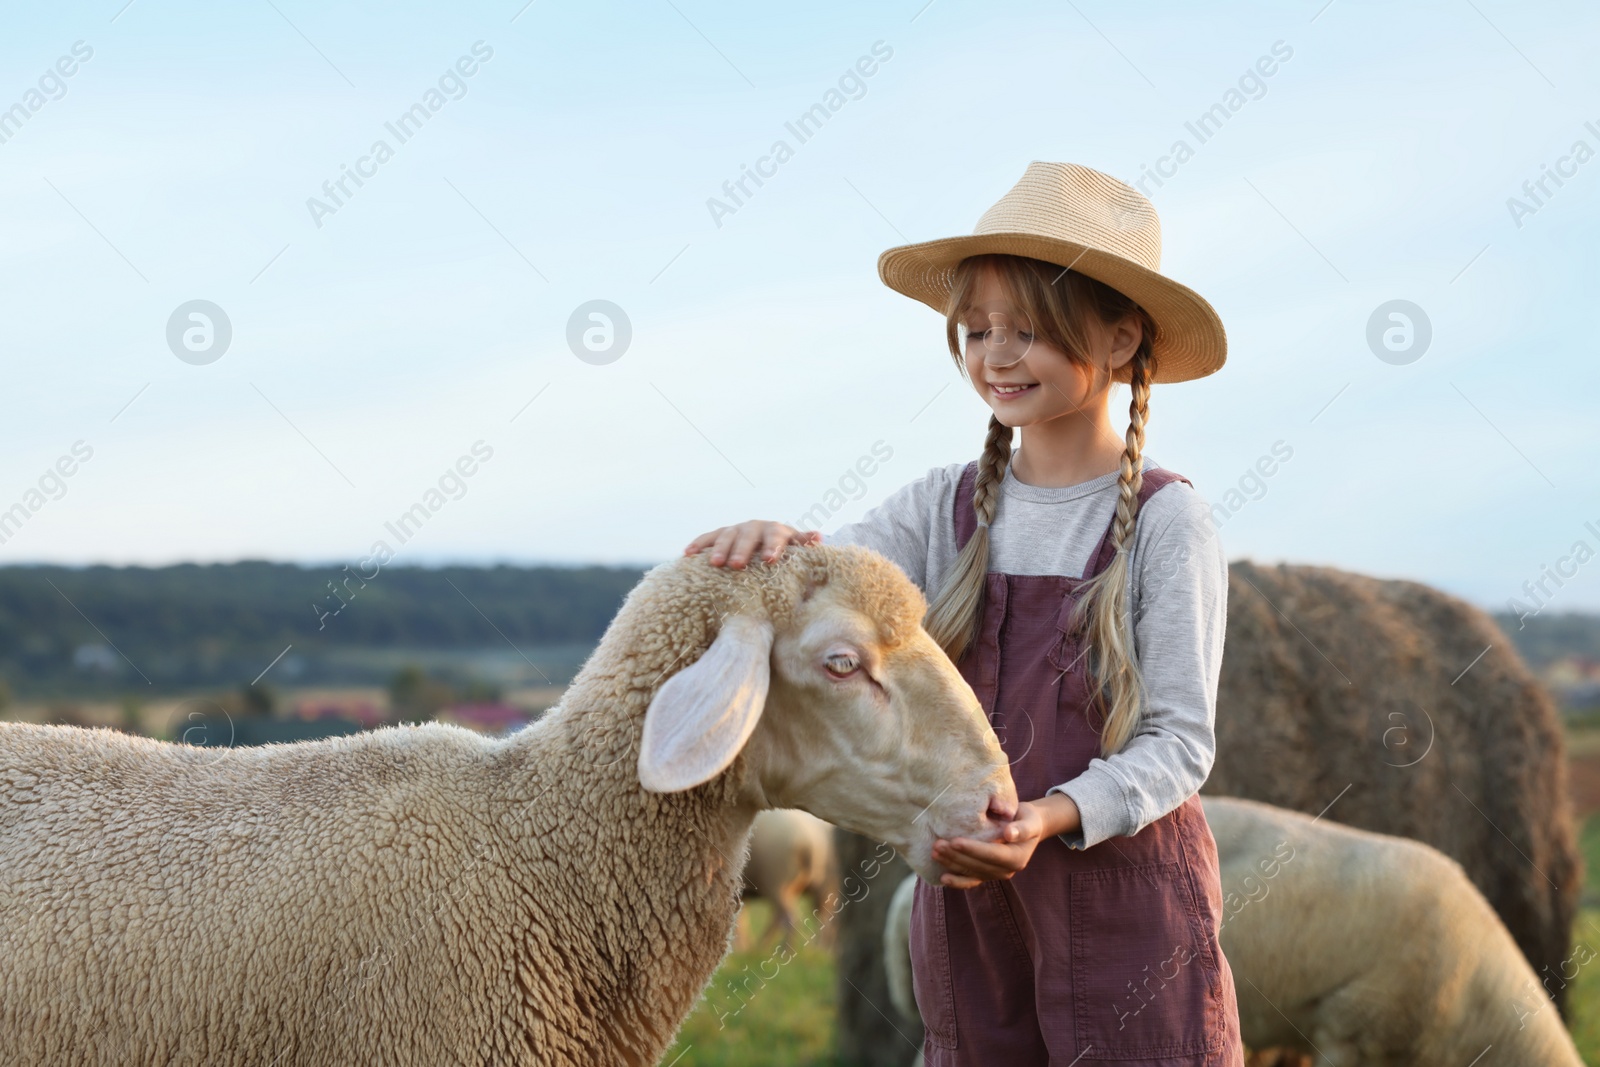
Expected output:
(1000, 810)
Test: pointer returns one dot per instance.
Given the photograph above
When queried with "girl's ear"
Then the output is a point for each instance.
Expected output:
(701, 718)
(1122, 340)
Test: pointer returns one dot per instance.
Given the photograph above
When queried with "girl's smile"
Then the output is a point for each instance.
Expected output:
(1011, 390)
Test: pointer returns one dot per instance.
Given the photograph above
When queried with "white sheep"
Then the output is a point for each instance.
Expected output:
(1358, 949)
(426, 895)
(1362, 948)
(897, 954)
(791, 854)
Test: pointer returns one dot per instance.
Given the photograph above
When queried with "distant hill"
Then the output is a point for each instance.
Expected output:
(222, 623)
(1563, 650)
(1543, 639)
(76, 629)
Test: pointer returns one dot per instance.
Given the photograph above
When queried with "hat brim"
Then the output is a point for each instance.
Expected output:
(1191, 342)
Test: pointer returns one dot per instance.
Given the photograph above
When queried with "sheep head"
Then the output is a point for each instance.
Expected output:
(818, 673)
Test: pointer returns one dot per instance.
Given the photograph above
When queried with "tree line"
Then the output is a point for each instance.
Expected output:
(190, 621)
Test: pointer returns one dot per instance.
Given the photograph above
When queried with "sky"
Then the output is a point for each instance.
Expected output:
(424, 329)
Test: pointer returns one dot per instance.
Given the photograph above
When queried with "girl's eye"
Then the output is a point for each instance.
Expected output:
(842, 665)
(1022, 335)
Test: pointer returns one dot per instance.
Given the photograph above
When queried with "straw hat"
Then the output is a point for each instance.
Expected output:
(1092, 223)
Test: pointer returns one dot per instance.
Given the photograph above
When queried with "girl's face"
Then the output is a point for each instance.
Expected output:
(1042, 384)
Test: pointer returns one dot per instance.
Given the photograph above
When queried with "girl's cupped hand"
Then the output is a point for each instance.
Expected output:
(969, 862)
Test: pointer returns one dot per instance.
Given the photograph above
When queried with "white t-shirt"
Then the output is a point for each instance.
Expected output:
(1178, 589)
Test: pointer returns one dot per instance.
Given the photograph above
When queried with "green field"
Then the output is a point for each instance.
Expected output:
(767, 1007)
(1585, 1004)
(787, 1020)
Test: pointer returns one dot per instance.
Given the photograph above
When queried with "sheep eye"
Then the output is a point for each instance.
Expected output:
(842, 664)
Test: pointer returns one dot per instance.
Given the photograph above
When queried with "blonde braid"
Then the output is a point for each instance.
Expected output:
(953, 617)
(991, 470)
(1105, 601)
(1131, 477)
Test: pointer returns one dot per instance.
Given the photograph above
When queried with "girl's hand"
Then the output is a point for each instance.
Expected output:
(969, 862)
(736, 545)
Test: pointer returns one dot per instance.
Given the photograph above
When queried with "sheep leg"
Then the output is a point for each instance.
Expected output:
(772, 923)
(783, 917)
(827, 931)
(741, 931)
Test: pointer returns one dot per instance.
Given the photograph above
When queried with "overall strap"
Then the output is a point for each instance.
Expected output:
(1154, 478)
(966, 518)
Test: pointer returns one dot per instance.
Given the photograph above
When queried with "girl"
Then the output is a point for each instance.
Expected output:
(1082, 592)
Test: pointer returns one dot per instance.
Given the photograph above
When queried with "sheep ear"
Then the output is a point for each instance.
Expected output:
(701, 718)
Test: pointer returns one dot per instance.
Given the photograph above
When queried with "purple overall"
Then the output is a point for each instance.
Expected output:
(1104, 953)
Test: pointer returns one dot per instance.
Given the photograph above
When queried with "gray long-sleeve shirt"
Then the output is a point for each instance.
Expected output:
(1178, 589)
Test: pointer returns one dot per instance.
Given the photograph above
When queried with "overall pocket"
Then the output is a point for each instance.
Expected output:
(931, 982)
(1146, 983)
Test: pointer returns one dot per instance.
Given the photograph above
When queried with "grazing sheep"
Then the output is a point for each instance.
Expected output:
(1366, 949)
(791, 854)
(427, 895)
(862, 986)
(1362, 949)
(897, 949)
(1415, 711)
(897, 956)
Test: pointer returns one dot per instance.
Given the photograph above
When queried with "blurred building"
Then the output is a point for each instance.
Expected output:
(493, 718)
(359, 709)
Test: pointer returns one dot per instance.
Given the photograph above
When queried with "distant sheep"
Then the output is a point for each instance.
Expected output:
(1410, 713)
(897, 956)
(791, 854)
(426, 895)
(1362, 948)
(861, 988)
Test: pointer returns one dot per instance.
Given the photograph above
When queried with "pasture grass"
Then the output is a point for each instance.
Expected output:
(1583, 1006)
(766, 1007)
(1589, 848)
